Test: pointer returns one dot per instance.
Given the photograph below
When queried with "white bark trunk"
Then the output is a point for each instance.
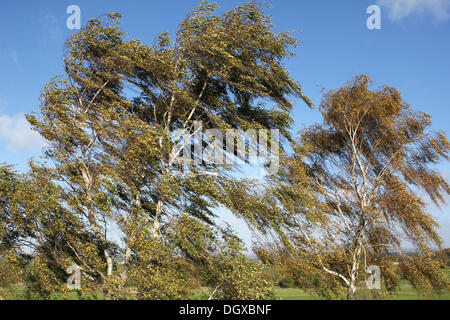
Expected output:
(109, 262)
(156, 222)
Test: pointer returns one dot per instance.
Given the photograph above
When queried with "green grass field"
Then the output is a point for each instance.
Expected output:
(406, 292)
(294, 294)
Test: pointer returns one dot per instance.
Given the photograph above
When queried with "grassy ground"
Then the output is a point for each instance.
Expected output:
(294, 294)
(406, 292)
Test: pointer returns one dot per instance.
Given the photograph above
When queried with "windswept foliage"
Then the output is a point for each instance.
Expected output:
(131, 183)
(350, 196)
(113, 123)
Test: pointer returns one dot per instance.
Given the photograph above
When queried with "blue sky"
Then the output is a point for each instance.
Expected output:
(411, 52)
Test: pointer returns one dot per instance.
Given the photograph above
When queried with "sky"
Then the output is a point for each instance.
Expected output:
(410, 52)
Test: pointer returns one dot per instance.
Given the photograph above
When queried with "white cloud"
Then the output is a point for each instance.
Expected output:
(15, 57)
(17, 134)
(51, 26)
(399, 9)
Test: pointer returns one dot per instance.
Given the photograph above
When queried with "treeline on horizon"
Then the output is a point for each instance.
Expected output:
(109, 188)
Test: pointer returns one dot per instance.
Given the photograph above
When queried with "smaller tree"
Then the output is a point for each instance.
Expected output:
(233, 276)
(349, 195)
(36, 231)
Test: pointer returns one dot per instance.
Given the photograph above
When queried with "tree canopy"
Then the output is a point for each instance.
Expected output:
(348, 197)
(129, 188)
(112, 123)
